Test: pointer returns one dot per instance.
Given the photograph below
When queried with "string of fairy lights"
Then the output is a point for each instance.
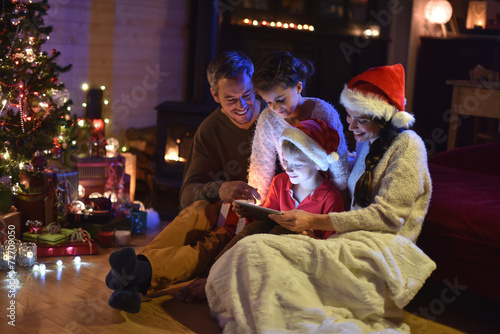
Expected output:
(277, 24)
(38, 270)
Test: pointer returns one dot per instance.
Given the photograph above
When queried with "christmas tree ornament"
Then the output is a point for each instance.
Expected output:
(56, 150)
(60, 97)
(112, 146)
(38, 162)
(30, 56)
(81, 191)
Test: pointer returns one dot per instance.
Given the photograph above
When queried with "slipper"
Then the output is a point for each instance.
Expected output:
(126, 299)
(127, 270)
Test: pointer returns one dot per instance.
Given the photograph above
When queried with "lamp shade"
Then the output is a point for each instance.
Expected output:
(438, 11)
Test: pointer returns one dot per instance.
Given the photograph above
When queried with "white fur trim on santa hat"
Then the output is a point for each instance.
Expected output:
(402, 119)
(366, 103)
(332, 157)
(339, 173)
(307, 145)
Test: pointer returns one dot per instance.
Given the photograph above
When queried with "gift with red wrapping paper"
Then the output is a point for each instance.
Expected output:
(67, 249)
(80, 243)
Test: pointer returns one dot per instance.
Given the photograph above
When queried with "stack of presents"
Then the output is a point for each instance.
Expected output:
(69, 211)
(61, 218)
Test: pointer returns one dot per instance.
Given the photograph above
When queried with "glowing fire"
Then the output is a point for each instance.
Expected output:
(173, 155)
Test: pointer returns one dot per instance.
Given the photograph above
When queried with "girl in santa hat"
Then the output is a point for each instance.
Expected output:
(280, 79)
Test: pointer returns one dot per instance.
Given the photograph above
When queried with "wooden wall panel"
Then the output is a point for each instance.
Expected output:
(136, 49)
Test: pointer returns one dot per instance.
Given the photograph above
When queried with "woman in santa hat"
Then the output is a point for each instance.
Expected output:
(365, 273)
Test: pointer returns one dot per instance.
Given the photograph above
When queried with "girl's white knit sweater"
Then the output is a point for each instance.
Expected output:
(265, 147)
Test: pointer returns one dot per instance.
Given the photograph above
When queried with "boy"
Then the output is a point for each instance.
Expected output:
(308, 149)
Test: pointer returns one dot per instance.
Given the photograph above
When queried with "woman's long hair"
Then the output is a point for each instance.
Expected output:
(363, 187)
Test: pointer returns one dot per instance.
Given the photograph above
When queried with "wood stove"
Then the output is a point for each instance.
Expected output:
(176, 125)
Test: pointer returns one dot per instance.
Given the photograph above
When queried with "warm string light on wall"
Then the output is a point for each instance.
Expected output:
(372, 31)
(277, 24)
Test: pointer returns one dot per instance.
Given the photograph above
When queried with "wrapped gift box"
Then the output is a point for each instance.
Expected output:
(95, 173)
(92, 228)
(14, 219)
(67, 249)
(37, 200)
(37, 182)
(36, 207)
(49, 238)
(139, 221)
(95, 217)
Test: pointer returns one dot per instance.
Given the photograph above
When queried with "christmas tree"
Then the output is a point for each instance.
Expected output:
(34, 109)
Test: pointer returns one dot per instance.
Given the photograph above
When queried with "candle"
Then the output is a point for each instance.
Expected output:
(26, 254)
(122, 237)
(4, 257)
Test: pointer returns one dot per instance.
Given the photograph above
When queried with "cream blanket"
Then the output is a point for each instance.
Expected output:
(356, 282)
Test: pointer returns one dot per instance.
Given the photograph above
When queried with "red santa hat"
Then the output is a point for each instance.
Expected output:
(316, 139)
(379, 92)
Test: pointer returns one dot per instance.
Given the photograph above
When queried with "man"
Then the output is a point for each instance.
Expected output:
(216, 168)
(216, 172)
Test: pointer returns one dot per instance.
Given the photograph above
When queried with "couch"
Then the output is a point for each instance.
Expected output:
(461, 232)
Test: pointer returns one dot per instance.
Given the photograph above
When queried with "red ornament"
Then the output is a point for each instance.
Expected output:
(53, 80)
(53, 51)
(56, 150)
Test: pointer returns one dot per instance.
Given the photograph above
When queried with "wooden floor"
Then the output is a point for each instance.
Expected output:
(73, 299)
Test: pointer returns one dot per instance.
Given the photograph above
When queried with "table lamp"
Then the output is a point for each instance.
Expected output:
(438, 11)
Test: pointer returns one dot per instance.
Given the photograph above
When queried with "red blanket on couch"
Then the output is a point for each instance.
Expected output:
(461, 232)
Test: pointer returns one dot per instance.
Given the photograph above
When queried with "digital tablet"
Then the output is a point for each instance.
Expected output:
(258, 212)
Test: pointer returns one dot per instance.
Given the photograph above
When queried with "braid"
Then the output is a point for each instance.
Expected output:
(377, 149)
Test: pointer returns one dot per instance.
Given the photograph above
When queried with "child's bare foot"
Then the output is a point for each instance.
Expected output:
(194, 290)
